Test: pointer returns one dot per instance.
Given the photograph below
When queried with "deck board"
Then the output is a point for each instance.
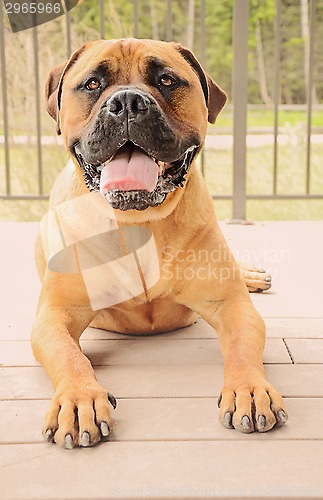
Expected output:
(164, 469)
(144, 350)
(134, 381)
(163, 419)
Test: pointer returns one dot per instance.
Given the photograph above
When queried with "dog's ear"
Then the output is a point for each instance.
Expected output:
(53, 87)
(51, 90)
(215, 97)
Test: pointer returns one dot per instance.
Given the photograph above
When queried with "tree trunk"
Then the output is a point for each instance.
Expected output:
(190, 24)
(154, 21)
(116, 22)
(265, 97)
(305, 30)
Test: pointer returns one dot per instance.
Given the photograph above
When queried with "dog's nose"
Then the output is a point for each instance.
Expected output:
(128, 103)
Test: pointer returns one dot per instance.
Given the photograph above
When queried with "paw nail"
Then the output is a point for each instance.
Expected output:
(261, 271)
(49, 435)
(219, 400)
(85, 441)
(105, 429)
(245, 422)
(268, 279)
(228, 418)
(282, 416)
(261, 422)
(112, 400)
(68, 442)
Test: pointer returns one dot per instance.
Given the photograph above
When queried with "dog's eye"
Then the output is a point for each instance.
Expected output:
(166, 81)
(92, 84)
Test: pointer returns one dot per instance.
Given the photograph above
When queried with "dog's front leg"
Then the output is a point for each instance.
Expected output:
(79, 413)
(248, 402)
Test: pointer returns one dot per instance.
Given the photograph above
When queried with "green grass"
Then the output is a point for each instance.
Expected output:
(24, 180)
(291, 179)
(24, 168)
(265, 118)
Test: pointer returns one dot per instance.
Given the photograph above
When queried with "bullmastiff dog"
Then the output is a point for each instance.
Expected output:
(131, 243)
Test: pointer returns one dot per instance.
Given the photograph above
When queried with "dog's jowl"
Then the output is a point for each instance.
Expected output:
(131, 242)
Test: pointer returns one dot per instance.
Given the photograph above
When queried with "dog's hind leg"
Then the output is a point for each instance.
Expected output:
(257, 279)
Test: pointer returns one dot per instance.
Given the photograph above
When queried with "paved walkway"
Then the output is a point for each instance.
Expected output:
(168, 442)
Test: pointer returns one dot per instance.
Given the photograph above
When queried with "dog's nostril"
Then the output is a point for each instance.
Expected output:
(115, 106)
(139, 104)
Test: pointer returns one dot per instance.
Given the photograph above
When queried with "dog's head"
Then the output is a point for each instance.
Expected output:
(133, 114)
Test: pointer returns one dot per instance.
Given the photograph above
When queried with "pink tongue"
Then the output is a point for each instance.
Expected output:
(130, 169)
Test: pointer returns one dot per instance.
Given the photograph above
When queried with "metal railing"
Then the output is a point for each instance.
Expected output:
(239, 195)
(240, 105)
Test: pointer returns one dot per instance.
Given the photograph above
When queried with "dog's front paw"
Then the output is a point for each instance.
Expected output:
(251, 408)
(79, 417)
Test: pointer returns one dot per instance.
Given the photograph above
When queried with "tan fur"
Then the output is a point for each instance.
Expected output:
(184, 223)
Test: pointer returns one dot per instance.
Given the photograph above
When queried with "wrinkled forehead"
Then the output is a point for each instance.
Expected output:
(128, 57)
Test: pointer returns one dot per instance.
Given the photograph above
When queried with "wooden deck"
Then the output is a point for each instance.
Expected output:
(168, 442)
